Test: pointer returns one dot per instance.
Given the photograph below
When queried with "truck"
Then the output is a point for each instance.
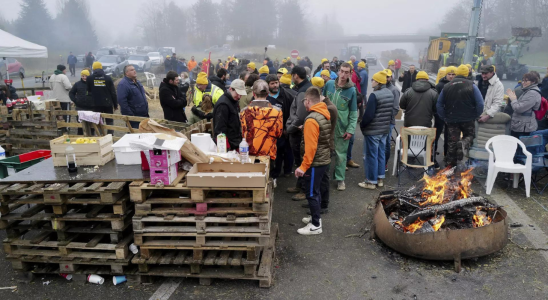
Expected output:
(445, 50)
(349, 51)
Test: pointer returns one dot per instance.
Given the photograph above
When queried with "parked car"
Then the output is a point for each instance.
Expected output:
(142, 63)
(14, 67)
(102, 52)
(123, 53)
(212, 49)
(156, 58)
(110, 62)
(80, 60)
(164, 52)
(226, 47)
(371, 59)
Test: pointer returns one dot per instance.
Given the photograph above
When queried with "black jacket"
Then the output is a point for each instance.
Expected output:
(200, 114)
(441, 84)
(407, 80)
(218, 82)
(102, 90)
(284, 101)
(80, 96)
(173, 61)
(173, 103)
(303, 86)
(226, 119)
(460, 101)
(419, 103)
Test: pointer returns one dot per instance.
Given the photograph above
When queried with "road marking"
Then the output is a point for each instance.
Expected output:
(536, 237)
(166, 289)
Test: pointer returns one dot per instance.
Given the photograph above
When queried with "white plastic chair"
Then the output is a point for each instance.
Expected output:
(416, 148)
(150, 78)
(505, 147)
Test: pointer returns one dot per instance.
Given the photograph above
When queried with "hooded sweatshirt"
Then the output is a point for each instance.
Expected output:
(419, 103)
(345, 100)
(316, 136)
(60, 86)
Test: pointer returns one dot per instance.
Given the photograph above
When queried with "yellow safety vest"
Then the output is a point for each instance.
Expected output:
(215, 91)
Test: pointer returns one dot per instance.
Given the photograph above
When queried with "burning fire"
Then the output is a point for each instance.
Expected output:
(418, 224)
(466, 183)
(481, 218)
(436, 187)
(439, 221)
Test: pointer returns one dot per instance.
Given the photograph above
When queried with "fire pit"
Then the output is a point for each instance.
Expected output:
(440, 219)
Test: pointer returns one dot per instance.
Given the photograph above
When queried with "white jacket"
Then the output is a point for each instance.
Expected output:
(60, 87)
(494, 99)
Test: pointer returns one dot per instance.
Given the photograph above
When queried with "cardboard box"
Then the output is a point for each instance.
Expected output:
(96, 154)
(164, 175)
(164, 158)
(221, 174)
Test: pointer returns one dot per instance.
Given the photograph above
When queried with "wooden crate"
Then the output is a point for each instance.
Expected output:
(211, 265)
(56, 265)
(96, 154)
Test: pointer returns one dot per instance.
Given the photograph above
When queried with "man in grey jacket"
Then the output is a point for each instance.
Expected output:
(419, 102)
(395, 109)
(494, 98)
(60, 87)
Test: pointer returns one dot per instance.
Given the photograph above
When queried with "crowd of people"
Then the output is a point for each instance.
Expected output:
(302, 118)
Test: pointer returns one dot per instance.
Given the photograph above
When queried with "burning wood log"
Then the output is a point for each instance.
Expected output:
(453, 205)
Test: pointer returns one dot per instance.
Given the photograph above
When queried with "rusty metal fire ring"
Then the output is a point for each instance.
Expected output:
(443, 245)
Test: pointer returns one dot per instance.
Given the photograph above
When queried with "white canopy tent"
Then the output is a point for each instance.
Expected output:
(12, 46)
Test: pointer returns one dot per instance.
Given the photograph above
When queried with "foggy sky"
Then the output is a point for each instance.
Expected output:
(111, 18)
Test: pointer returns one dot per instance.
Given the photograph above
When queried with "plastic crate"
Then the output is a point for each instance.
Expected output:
(18, 163)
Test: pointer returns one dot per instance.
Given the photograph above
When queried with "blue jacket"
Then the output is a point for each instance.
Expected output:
(333, 75)
(544, 88)
(440, 106)
(263, 76)
(364, 81)
(71, 60)
(181, 67)
(132, 99)
(271, 69)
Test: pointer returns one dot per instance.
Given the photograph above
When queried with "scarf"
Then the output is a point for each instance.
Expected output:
(57, 72)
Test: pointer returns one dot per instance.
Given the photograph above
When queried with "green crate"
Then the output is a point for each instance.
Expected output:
(15, 163)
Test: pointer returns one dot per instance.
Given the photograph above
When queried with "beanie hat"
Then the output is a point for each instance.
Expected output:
(204, 60)
(84, 72)
(167, 56)
(388, 72)
(326, 73)
(442, 72)
(391, 63)
(324, 60)
(61, 67)
(361, 64)
(451, 69)
(97, 65)
(380, 77)
(288, 58)
(469, 66)
(318, 82)
(422, 75)
(286, 79)
(264, 70)
(284, 61)
(202, 78)
(282, 70)
(298, 58)
(351, 64)
(251, 65)
(462, 70)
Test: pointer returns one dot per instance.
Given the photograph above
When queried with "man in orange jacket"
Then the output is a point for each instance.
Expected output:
(316, 158)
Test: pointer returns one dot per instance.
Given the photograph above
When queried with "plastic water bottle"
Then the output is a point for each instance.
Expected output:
(71, 159)
(2, 153)
(244, 151)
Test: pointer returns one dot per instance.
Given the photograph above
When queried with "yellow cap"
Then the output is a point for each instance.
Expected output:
(380, 77)
(289, 58)
(229, 57)
(422, 75)
(167, 56)
(391, 63)
(264, 70)
(204, 60)
(282, 70)
(97, 65)
(298, 58)
(251, 65)
(325, 73)
(324, 60)
(286, 79)
(317, 81)
(388, 72)
(351, 64)
(284, 61)
(442, 72)
(462, 70)
(469, 66)
(451, 69)
(361, 64)
(84, 72)
(202, 78)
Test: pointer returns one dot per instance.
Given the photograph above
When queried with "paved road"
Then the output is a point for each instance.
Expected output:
(341, 264)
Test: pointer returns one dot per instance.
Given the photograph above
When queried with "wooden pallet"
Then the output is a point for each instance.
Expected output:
(141, 192)
(45, 243)
(91, 213)
(263, 272)
(60, 193)
(56, 265)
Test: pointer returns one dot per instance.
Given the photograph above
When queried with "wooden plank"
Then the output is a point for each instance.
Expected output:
(77, 186)
(94, 187)
(168, 258)
(223, 258)
(236, 258)
(94, 241)
(95, 211)
(16, 187)
(33, 210)
(34, 132)
(115, 187)
(210, 258)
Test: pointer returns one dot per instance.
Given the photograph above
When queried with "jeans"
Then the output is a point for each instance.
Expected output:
(313, 182)
(349, 151)
(284, 156)
(388, 138)
(72, 69)
(324, 189)
(295, 143)
(374, 147)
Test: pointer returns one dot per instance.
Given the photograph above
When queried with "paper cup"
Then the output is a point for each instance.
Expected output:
(96, 279)
(118, 279)
(133, 248)
(66, 276)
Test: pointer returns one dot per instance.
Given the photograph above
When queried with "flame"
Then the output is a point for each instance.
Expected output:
(481, 218)
(438, 223)
(465, 183)
(413, 227)
(436, 187)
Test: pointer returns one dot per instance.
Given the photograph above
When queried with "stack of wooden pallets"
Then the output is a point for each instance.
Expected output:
(204, 233)
(82, 228)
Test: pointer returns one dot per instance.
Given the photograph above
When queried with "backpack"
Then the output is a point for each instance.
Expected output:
(541, 112)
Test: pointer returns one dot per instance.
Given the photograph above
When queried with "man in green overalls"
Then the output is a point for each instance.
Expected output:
(342, 93)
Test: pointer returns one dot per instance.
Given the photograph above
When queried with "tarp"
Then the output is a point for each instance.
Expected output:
(12, 46)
